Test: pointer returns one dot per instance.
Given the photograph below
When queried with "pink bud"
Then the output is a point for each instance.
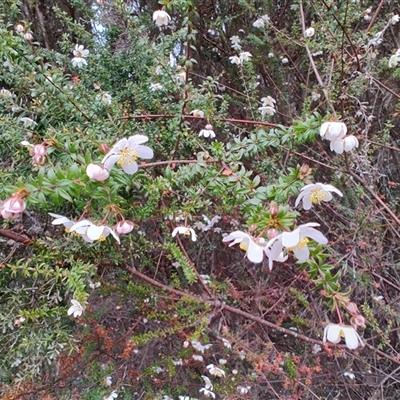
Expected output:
(39, 150)
(352, 308)
(12, 207)
(19, 28)
(358, 320)
(124, 227)
(38, 160)
(104, 148)
(97, 172)
(209, 127)
(28, 36)
(271, 233)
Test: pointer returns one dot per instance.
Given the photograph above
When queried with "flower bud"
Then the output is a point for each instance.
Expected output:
(19, 28)
(14, 206)
(271, 233)
(124, 227)
(104, 148)
(28, 36)
(352, 308)
(39, 150)
(304, 169)
(209, 127)
(358, 320)
(273, 209)
(97, 172)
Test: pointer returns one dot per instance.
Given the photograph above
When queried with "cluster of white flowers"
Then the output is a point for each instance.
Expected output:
(241, 58)
(268, 106)
(80, 54)
(335, 132)
(261, 22)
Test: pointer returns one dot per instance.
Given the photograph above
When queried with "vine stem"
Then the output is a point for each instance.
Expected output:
(224, 307)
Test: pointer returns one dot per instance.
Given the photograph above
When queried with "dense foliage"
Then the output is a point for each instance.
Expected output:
(199, 199)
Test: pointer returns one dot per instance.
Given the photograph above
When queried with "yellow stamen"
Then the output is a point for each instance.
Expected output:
(127, 156)
(101, 238)
(303, 243)
(318, 195)
(243, 246)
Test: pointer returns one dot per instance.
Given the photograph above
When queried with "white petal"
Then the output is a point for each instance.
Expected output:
(144, 152)
(94, 232)
(291, 239)
(255, 253)
(137, 139)
(130, 169)
(109, 160)
(301, 253)
(314, 235)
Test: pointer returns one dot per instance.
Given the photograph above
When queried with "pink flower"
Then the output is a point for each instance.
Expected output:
(12, 207)
(97, 172)
(124, 227)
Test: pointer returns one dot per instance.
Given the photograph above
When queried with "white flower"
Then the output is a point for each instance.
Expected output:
(350, 375)
(235, 39)
(315, 96)
(108, 381)
(254, 250)
(394, 60)
(335, 332)
(267, 110)
(80, 53)
(167, 397)
(346, 144)
(207, 132)
(245, 56)
(395, 19)
(28, 122)
(226, 343)
(199, 347)
(197, 357)
(197, 113)
(105, 98)
(316, 349)
(4, 93)
(314, 193)
(112, 396)
(235, 60)
(184, 230)
(206, 279)
(376, 40)
(161, 18)
(243, 389)
(97, 172)
(268, 101)
(76, 309)
(309, 32)
(207, 392)
(155, 86)
(333, 130)
(208, 384)
(213, 370)
(261, 22)
(91, 232)
(284, 60)
(236, 47)
(181, 76)
(125, 153)
(296, 241)
(270, 55)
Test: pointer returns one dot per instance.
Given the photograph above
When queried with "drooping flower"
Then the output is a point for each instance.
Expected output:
(309, 32)
(97, 172)
(346, 144)
(13, 207)
(333, 130)
(207, 132)
(76, 309)
(184, 230)
(80, 53)
(161, 18)
(124, 227)
(61, 220)
(91, 232)
(254, 248)
(216, 371)
(208, 384)
(125, 153)
(334, 333)
(268, 101)
(296, 241)
(315, 193)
